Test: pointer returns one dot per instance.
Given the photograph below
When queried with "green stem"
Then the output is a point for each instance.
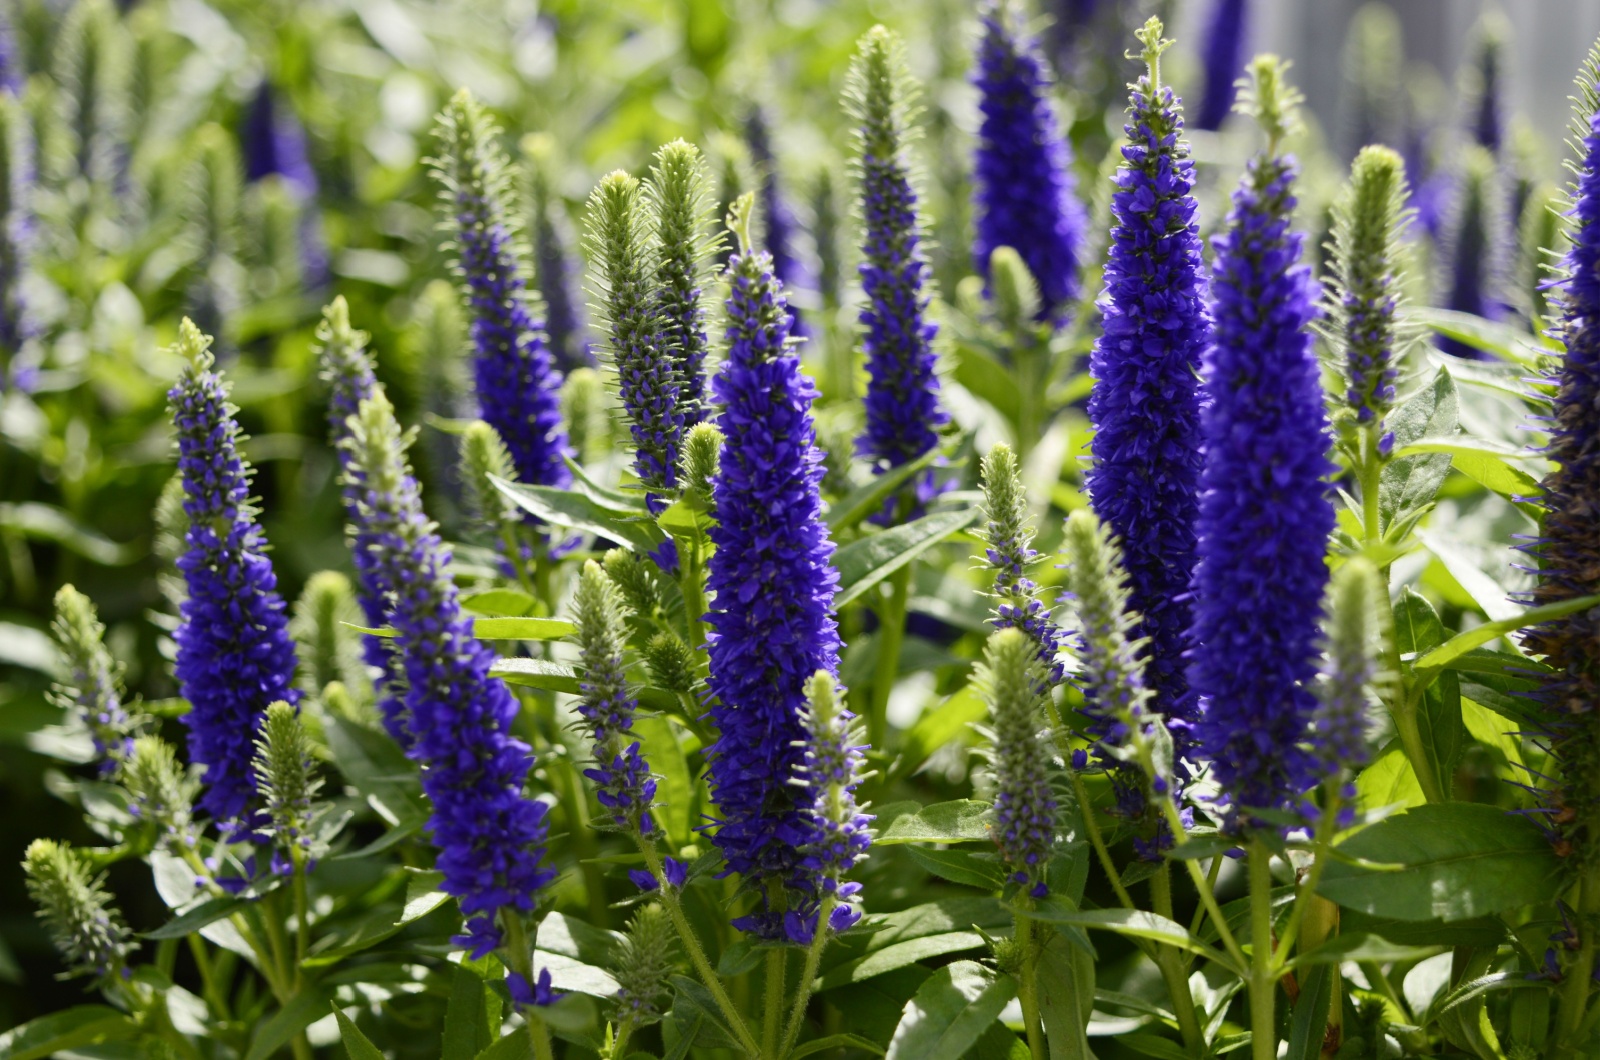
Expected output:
(584, 845)
(772, 1005)
(1575, 983)
(802, 997)
(1211, 882)
(1097, 841)
(1263, 984)
(891, 632)
(1028, 986)
(697, 953)
(1322, 840)
(692, 584)
(519, 958)
(1405, 723)
(302, 915)
(1171, 962)
(208, 981)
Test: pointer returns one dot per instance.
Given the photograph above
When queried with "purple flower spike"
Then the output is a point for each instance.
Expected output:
(1226, 43)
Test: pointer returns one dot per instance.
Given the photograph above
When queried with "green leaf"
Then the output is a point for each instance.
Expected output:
(510, 1047)
(67, 1029)
(1356, 946)
(1310, 1022)
(1482, 931)
(578, 511)
(1410, 483)
(959, 866)
(863, 564)
(948, 722)
(46, 522)
(675, 786)
(950, 1012)
(987, 379)
(1066, 998)
(1417, 629)
(1458, 861)
(356, 1045)
(1502, 340)
(497, 629)
(1389, 781)
(570, 974)
(622, 501)
(467, 1021)
(1487, 463)
(559, 677)
(898, 955)
(422, 897)
(1132, 923)
(207, 912)
(376, 768)
(300, 1012)
(958, 821)
(1478, 636)
(499, 603)
(695, 1001)
(868, 498)
(836, 1041)
(1150, 1045)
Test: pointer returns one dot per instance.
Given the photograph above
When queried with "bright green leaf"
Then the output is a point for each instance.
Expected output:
(950, 1012)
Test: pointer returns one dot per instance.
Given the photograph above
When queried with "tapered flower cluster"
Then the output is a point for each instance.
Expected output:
(346, 367)
(1026, 808)
(1009, 553)
(1265, 512)
(1222, 57)
(1340, 726)
(1144, 482)
(1484, 80)
(1365, 299)
(286, 777)
(489, 833)
(779, 226)
(16, 240)
(643, 965)
(91, 684)
(1022, 176)
(517, 384)
(621, 777)
(826, 780)
(273, 142)
(772, 624)
(235, 655)
(555, 272)
(902, 402)
(1569, 550)
(647, 378)
(77, 911)
(1477, 244)
(679, 194)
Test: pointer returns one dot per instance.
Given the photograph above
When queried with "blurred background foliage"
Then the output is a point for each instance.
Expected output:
(241, 161)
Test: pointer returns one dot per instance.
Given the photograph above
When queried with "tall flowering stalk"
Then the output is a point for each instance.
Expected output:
(555, 273)
(91, 684)
(1265, 513)
(1484, 78)
(346, 367)
(778, 224)
(93, 65)
(235, 656)
(1144, 482)
(490, 835)
(1009, 553)
(620, 774)
(1477, 244)
(1024, 190)
(517, 384)
(679, 198)
(825, 780)
(902, 402)
(1026, 808)
(1365, 299)
(77, 912)
(272, 141)
(772, 624)
(17, 228)
(648, 378)
(1222, 58)
(1569, 566)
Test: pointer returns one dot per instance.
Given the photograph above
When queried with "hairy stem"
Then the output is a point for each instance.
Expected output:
(1028, 986)
(1098, 841)
(772, 1004)
(1575, 983)
(1263, 983)
(1170, 960)
(802, 997)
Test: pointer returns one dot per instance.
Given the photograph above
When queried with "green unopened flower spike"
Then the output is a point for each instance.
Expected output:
(285, 777)
(671, 662)
(214, 179)
(583, 409)
(484, 457)
(1011, 680)
(826, 225)
(621, 776)
(1008, 534)
(1112, 673)
(702, 456)
(436, 344)
(1015, 291)
(1365, 300)
(637, 581)
(826, 777)
(91, 687)
(644, 963)
(329, 649)
(679, 198)
(161, 792)
(1267, 96)
(93, 68)
(1355, 604)
(172, 526)
(84, 924)
(1541, 243)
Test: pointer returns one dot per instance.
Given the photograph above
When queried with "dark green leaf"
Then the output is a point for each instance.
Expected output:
(207, 912)
(836, 1041)
(1310, 1023)
(898, 955)
(987, 379)
(1355, 946)
(1417, 629)
(1458, 861)
(959, 821)
(1502, 340)
(300, 1012)
(378, 769)
(467, 1020)
(559, 677)
(867, 498)
(511, 1047)
(46, 522)
(937, 728)
(578, 511)
(959, 866)
(1150, 1045)
(67, 1029)
(422, 897)
(1410, 483)
(694, 1000)
(950, 1012)
(1133, 923)
(1066, 998)
(863, 564)
(1482, 931)
(1476, 988)
(356, 1044)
